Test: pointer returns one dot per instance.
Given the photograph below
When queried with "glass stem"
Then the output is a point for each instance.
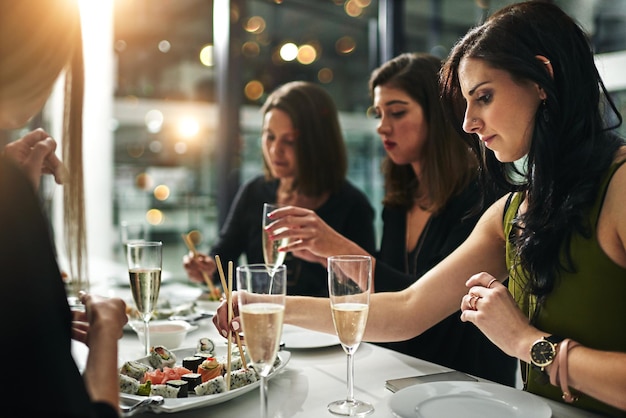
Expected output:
(263, 397)
(146, 333)
(350, 397)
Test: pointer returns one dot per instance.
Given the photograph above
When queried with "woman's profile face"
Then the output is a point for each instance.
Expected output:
(500, 110)
(279, 144)
(402, 126)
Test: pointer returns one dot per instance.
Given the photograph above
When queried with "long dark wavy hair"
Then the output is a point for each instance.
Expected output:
(572, 143)
(449, 164)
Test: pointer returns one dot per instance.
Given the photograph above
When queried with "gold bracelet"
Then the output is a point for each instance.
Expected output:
(565, 346)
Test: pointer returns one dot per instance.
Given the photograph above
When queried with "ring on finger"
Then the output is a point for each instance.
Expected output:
(472, 302)
(491, 282)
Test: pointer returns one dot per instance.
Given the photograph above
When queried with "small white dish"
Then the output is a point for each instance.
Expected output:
(468, 400)
(169, 334)
(206, 306)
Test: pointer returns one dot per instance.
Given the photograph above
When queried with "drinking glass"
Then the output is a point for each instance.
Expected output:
(144, 268)
(349, 281)
(261, 294)
(132, 232)
(273, 258)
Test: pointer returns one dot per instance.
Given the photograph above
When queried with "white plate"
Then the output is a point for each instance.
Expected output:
(467, 400)
(208, 306)
(193, 401)
(302, 338)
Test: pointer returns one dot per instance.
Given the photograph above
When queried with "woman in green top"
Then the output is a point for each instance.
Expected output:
(525, 84)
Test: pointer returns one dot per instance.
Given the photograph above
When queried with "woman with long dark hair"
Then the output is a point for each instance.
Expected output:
(525, 85)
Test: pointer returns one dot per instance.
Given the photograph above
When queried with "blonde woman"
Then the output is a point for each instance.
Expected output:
(38, 42)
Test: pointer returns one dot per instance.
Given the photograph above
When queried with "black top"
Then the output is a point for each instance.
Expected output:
(36, 318)
(451, 343)
(347, 212)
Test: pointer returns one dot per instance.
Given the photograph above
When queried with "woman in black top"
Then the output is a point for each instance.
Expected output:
(305, 165)
(432, 202)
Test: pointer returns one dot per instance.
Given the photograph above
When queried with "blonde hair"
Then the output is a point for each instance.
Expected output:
(38, 41)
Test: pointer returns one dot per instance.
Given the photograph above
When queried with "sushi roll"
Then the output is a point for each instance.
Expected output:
(161, 357)
(193, 362)
(235, 363)
(210, 369)
(242, 377)
(181, 385)
(164, 390)
(135, 369)
(211, 387)
(205, 347)
(192, 379)
(128, 384)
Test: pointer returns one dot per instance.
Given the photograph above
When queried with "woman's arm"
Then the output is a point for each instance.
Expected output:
(432, 298)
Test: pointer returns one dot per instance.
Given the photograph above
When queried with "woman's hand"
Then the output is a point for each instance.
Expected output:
(220, 319)
(102, 318)
(35, 154)
(195, 266)
(490, 306)
(310, 238)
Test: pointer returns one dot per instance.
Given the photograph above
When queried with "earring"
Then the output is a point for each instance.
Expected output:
(544, 111)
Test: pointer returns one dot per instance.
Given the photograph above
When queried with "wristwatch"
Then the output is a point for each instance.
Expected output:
(543, 351)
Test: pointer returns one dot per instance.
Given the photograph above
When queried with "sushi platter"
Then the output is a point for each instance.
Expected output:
(193, 401)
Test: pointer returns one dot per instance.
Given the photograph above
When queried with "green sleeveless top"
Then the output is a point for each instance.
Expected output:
(587, 306)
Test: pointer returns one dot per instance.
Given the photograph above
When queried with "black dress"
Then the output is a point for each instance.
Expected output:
(347, 212)
(451, 343)
(41, 377)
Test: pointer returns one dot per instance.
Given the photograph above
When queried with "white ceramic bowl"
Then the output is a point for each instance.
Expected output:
(169, 334)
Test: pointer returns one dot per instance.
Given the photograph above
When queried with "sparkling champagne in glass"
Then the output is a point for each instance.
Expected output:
(349, 281)
(261, 294)
(271, 255)
(144, 268)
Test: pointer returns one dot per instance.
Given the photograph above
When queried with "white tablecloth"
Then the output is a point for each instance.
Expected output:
(312, 378)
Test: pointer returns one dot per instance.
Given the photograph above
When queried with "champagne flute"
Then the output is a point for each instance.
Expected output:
(273, 258)
(144, 268)
(261, 294)
(349, 281)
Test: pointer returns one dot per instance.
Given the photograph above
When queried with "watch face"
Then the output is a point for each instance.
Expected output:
(542, 353)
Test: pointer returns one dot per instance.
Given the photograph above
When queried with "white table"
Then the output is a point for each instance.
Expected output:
(312, 378)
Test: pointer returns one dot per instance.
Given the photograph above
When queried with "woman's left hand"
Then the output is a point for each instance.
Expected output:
(490, 306)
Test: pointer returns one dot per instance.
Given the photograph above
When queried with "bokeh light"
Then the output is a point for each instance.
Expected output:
(250, 49)
(180, 148)
(325, 75)
(352, 8)
(188, 127)
(143, 181)
(254, 90)
(164, 46)
(161, 192)
(256, 24)
(206, 56)
(154, 217)
(289, 51)
(154, 121)
(345, 45)
(306, 54)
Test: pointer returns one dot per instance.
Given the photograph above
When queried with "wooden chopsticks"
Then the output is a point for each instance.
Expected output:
(189, 242)
(228, 290)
